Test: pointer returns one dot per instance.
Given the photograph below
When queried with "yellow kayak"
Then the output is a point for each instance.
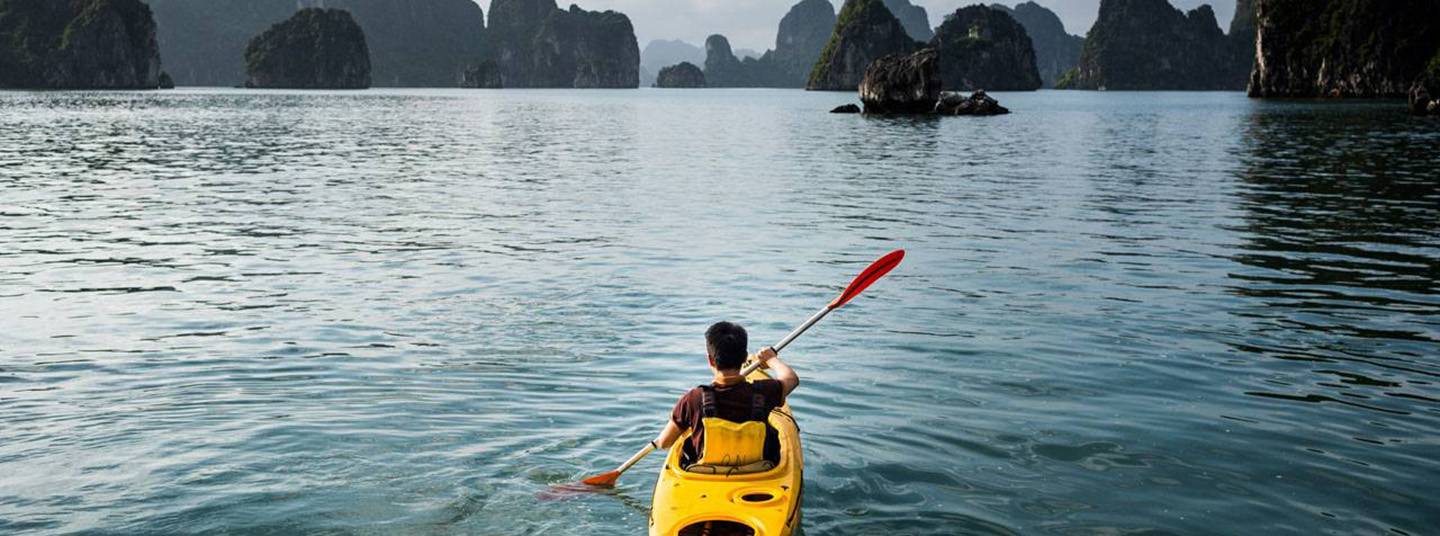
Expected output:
(765, 503)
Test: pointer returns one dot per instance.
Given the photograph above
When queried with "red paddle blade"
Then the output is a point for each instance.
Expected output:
(877, 270)
(606, 480)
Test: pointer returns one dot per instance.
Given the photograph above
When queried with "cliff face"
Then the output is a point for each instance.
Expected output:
(1242, 36)
(802, 36)
(682, 75)
(864, 32)
(412, 42)
(722, 68)
(1150, 45)
(914, 18)
(803, 33)
(418, 43)
(539, 45)
(314, 49)
(482, 75)
(78, 44)
(983, 48)
(1056, 51)
(1342, 48)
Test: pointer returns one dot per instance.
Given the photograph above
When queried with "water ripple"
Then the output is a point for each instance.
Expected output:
(413, 311)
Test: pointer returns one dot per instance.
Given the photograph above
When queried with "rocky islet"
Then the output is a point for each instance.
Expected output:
(538, 45)
(980, 47)
(313, 49)
(682, 75)
(1056, 50)
(865, 31)
(1151, 45)
(79, 44)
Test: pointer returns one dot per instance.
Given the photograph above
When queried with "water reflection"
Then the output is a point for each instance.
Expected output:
(415, 310)
(1341, 213)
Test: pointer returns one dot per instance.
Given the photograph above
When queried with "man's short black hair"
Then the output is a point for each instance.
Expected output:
(728, 344)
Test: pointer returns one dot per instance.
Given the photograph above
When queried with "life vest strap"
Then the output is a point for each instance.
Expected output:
(758, 410)
(707, 401)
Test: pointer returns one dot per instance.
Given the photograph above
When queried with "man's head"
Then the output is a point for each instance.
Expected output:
(727, 344)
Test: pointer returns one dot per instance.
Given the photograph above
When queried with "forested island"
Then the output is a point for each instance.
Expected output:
(314, 49)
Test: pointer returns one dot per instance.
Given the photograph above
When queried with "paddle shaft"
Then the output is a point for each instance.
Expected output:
(874, 272)
(650, 447)
(790, 338)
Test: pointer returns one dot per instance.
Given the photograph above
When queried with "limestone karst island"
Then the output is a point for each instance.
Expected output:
(719, 267)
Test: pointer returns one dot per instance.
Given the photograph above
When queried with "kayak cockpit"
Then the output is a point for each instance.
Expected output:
(760, 501)
(717, 528)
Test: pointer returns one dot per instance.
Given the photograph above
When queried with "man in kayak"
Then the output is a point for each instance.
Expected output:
(729, 416)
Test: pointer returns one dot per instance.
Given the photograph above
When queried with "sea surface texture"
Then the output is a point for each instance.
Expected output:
(413, 312)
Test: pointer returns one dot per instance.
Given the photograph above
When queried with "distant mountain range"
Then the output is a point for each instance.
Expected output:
(1308, 47)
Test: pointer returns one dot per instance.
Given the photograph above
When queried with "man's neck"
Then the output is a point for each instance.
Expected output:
(728, 377)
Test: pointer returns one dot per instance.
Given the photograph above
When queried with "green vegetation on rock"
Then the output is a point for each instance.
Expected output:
(865, 30)
(314, 49)
(1150, 45)
(981, 47)
(537, 44)
(1343, 48)
(681, 75)
(78, 44)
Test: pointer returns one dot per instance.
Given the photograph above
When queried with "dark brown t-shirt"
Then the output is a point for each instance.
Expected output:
(733, 403)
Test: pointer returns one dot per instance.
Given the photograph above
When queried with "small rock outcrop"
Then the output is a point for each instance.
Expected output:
(981, 47)
(659, 54)
(897, 84)
(78, 44)
(314, 49)
(914, 18)
(911, 84)
(536, 44)
(1056, 51)
(482, 75)
(864, 31)
(681, 75)
(165, 81)
(978, 103)
(1150, 45)
(1421, 102)
(1342, 48)
(846, 109)
(1425, 92)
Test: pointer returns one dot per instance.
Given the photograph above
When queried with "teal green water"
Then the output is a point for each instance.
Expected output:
(410, 312)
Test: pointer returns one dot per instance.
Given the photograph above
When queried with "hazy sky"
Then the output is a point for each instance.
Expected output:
(752, 23)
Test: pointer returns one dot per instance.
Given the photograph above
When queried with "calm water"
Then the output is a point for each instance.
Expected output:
(398, 312)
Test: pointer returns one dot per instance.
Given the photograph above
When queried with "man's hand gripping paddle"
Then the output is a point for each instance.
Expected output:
(863, 281)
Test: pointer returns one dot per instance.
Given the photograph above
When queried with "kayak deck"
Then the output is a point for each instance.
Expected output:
(765, 503)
